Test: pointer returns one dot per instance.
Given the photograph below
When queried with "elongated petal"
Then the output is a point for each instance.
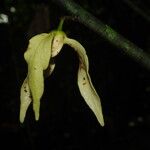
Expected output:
(25, 99)
(84, 82)
(36, 83)
(37, 57)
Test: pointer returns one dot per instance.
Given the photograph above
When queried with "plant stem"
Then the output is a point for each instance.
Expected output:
(61, 23)
(106, 32)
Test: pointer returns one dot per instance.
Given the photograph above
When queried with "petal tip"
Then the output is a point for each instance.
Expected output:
(36, 108)
(21, 119)
(102, 123)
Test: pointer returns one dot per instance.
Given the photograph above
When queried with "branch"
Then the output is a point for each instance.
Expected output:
(106, 32)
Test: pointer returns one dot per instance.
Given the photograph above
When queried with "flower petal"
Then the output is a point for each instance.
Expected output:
(84, 82)
(25, 99)
(37, 57)
(58, 42)
(49, 70)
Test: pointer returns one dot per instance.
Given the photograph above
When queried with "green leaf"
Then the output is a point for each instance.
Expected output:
(84, 82)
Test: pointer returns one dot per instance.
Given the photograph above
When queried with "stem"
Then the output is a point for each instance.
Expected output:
(106, 32)
(61, 24)
(65, 18)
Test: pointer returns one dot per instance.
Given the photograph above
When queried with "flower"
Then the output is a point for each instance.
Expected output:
(40, 50)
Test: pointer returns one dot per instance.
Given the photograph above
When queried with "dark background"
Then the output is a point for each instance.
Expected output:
(66, 122)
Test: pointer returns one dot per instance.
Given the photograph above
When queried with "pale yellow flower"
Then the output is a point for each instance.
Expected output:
(40, 50)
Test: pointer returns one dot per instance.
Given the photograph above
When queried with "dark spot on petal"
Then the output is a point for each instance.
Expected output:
(84, 83)
(30, 96)
(34, 68)
(83, 78)
(25, 90)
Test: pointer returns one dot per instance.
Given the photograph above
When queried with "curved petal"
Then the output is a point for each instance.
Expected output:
(84, 82)
(36, 84)
(25, 99)
(37, 57)
(33, 45)
(49, 70)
